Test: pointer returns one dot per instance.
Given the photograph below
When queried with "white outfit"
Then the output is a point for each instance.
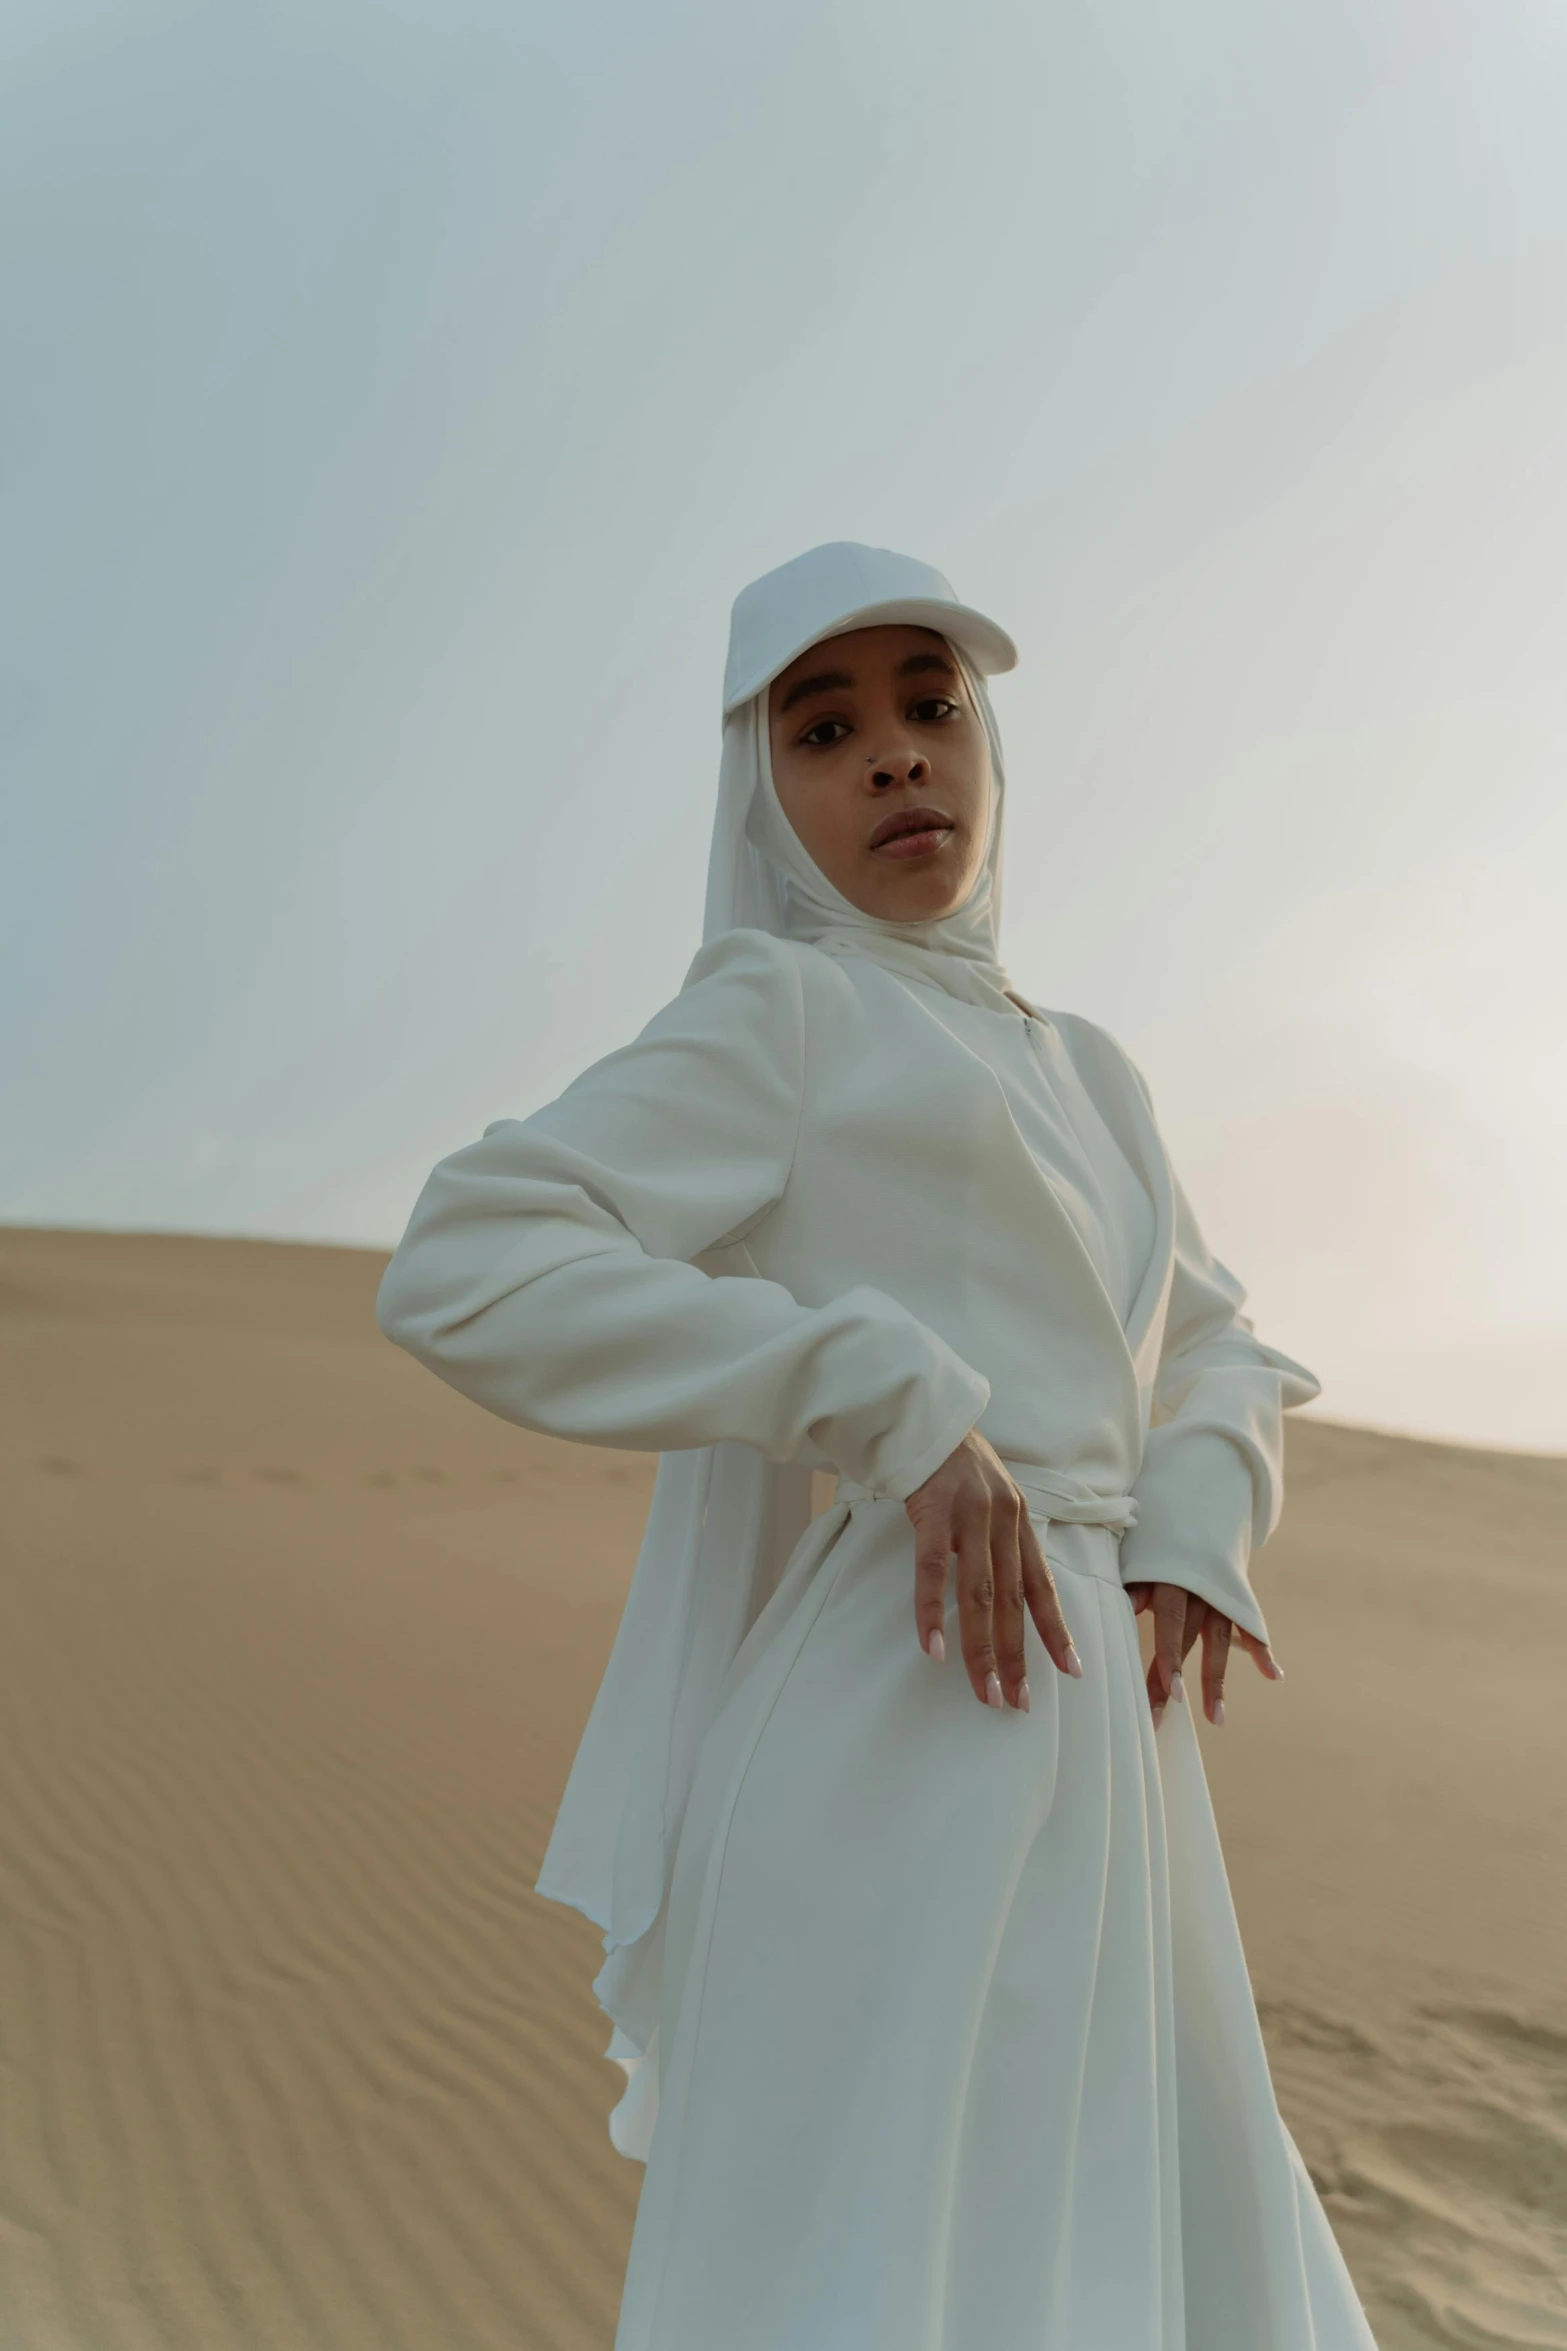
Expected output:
(935, 2019)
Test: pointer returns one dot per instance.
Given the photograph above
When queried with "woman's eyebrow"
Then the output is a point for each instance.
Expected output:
(827, 681)
(837, 681)
(924, 661)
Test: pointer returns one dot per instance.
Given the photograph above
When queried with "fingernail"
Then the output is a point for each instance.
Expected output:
(1158, 1716)
(1177, 1688)
(1218, 1714)
(1278, 1671)
(992, 1689)
(938, 1647)
(1074, 1664)
(1022, 1695)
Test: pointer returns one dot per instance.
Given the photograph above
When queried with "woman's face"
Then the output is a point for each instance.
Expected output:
(882, 766)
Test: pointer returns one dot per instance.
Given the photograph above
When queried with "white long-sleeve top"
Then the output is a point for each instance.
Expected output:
(843, 1217)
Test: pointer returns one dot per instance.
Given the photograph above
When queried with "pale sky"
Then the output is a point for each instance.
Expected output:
(394, 394)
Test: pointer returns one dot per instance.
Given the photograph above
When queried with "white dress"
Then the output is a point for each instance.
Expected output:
(955, 2041)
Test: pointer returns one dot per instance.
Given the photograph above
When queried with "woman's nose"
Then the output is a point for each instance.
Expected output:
(897, 767)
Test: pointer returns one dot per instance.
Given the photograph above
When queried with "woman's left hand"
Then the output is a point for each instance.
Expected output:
(1178, 1617)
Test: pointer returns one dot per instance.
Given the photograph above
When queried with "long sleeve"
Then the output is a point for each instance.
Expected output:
(1211, 1485)
(547, 1269)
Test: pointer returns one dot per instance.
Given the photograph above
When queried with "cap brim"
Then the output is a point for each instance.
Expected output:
(988, 647)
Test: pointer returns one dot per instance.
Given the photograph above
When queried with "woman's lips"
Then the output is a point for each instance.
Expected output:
(914, 844)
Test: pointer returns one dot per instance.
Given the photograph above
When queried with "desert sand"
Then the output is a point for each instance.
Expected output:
(296, 1645)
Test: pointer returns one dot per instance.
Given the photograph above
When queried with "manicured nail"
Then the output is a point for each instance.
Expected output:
(1074, 1664)
(938, 1647)
(1158, 1716)
(1177, 1688)
(1218, 1714)
(992, 1689)
(1278, 1671)
(1022, 1695)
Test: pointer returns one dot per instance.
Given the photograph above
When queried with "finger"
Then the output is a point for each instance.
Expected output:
(1215, 1660)
(1006, 1567)
(932, 1563)
(1260, 1654)
(976, 1600)
(1197, 1614)
(1044, 1601)
(1169, 1627)
(1139, 1595)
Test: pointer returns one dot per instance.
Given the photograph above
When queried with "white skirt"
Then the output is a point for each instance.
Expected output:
(958, 2043)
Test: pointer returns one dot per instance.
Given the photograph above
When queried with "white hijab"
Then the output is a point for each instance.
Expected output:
(761, 876)
(723, 1519)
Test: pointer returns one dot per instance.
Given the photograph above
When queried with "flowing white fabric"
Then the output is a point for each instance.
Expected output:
(959, 2042)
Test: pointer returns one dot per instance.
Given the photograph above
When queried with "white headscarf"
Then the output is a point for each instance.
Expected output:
(724, 1519)
(761, 875)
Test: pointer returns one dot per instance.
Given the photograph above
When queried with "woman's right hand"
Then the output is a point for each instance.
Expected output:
(971, 1506)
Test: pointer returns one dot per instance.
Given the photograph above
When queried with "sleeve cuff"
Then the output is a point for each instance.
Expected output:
(1194, 1526)
(897, 1482)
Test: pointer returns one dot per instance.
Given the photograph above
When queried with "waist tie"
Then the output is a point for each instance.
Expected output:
(1050, 1494)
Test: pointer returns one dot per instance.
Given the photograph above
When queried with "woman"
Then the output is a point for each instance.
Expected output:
(922, 1966)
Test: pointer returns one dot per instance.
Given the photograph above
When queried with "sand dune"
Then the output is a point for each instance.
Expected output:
(295, 1648)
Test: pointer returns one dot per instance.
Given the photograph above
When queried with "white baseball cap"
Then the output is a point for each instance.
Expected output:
(842, 586)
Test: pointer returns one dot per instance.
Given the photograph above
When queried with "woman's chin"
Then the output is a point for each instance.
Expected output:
(911, 897)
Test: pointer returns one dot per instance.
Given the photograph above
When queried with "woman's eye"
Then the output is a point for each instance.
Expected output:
(933, 706)
(815, 735)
